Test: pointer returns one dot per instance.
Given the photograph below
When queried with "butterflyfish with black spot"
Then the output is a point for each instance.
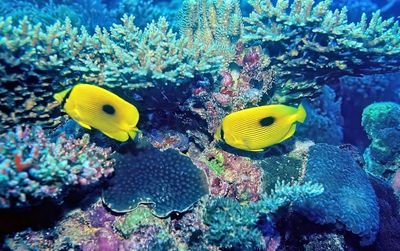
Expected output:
(94, 107)
(256, 128)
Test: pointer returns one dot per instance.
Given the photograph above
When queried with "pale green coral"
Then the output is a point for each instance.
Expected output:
(216, 24)
(309, 43)
(38, 61)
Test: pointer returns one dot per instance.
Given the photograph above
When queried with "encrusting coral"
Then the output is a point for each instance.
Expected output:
(348, 196)
(381, 121)
(33, 167)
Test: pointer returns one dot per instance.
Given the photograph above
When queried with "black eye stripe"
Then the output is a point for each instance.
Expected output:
(222, 133)
(267, 121)
(109, 109)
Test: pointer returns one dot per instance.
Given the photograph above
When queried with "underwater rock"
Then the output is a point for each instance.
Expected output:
(166, 179)
(348, 196)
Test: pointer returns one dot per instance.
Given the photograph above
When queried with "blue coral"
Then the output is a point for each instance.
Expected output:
(167, 180)
(348, 197)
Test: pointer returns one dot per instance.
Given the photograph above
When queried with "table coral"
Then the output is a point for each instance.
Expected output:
(167, 180)
(33, 167)
(309, 44)
(38, 61)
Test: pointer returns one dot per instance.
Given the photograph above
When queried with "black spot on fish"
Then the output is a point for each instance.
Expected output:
(267, 121)
(109, 109)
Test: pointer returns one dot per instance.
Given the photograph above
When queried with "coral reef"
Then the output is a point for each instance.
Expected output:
(215, 24)
(389, 216)
(232, 175)
(37, 62)
(232, 226)
(309, 44)
(34, 167)
(167, 180)
(348, 196)
(381, 122)
(324, 122)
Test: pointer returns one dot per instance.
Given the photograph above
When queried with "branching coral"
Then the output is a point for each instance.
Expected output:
(32, 167)
(35, 62)
(308, 42)
(213, 23)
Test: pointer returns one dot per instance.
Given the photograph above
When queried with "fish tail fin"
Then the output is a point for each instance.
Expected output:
(60, 96)
(301, 113)
(133, 133)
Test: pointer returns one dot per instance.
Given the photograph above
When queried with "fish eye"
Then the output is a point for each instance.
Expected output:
(109, 109)
(267, 121)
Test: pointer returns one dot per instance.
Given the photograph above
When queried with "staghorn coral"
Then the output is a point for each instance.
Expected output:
(32, 167)
(35, 62)
(167, 180)
(216, 24)
(309, 44)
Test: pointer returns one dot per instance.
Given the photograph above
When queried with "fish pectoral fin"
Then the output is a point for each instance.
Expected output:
(289, 133)
(84, 125)
(119, 135)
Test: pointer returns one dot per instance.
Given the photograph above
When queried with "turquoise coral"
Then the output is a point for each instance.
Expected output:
(38, 61)
(307, 41)
(381, 121)
(32, 167)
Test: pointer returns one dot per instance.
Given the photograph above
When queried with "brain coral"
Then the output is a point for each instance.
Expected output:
(166, 179)
(348, 196)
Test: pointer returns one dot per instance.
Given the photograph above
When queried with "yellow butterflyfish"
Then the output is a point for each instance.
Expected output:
(256, 128)
(93, 106)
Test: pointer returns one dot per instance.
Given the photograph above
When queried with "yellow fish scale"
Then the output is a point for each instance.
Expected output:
(242, 129)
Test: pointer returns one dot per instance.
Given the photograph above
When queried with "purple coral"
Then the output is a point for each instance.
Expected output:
(32, 167)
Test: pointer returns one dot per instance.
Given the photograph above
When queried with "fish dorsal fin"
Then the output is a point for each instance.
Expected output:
(289, 133)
